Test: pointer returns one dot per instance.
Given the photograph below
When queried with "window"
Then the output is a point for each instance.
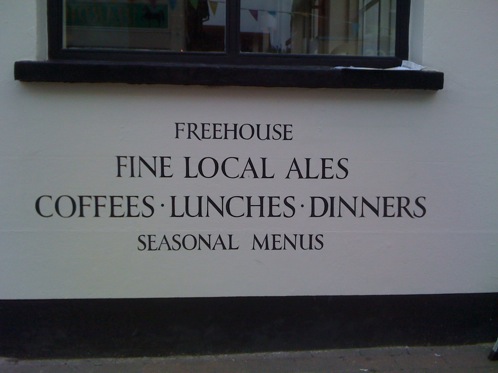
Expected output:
(228, 42)
(370, 33)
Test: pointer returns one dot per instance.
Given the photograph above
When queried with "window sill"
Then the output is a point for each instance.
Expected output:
(70, 71)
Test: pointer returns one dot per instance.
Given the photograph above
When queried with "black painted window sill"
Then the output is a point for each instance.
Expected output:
(70, 71)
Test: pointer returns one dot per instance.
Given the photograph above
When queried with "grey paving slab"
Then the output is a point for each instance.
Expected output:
(443, 359)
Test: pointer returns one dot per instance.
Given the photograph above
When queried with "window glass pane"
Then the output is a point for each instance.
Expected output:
(172, 25)
(333, 27)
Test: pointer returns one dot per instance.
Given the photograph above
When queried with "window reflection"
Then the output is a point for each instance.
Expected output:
(172, 25)
(336, 27)
(323, 27)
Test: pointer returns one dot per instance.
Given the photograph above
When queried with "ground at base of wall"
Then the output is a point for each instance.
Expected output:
(468, 358)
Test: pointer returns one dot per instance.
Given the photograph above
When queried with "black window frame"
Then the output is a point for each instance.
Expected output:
(230, 68)
(232, 54)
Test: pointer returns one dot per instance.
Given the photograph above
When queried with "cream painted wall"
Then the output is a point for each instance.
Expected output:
(62, 139)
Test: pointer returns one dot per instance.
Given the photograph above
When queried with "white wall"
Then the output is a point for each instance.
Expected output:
(62, 139)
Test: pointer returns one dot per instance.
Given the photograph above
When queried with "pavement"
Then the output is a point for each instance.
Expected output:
(455, 359)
